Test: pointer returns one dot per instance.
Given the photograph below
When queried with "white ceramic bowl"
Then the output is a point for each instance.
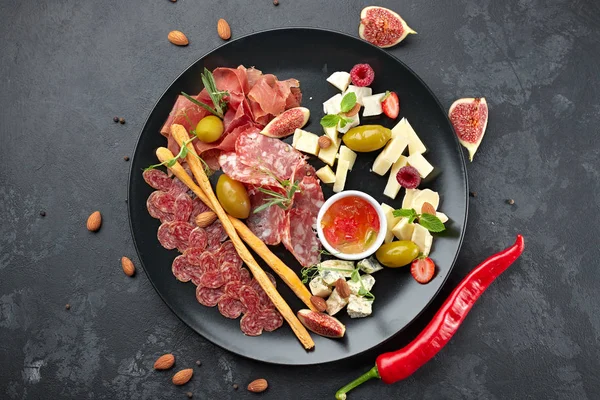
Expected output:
(380, 236)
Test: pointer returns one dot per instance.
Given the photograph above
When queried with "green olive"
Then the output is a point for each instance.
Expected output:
(367, 138)
(209, 129)
(233, 197)
(397, 254)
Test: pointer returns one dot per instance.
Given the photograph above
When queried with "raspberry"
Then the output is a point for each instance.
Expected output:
(408, 177)
(362, 75)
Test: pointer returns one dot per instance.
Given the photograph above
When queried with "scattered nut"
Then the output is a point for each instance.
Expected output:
(205, 219)
(67, 306)
(94, 221)
(121, 120)
(258, 386)
(183, 376)
(510, 201)
(128, 266)
(275, 2)
(353, 111)
(473, 194)
(342, 288)
(178, 38)
(223, 29)
(126, 158)
(116, 119)
(427, 208)
(165, 361)
(235, 386)
(189, 395)
(324, 142)
(198, 363)
(319, 303)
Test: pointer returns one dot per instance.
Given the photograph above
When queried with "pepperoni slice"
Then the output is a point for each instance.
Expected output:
(198, 238)
(230, 272)
(178, 187)
(199, 208)
(271, 319)
(249, 298)
(165, 236)
(208, 297)
(251, 324)
(230, 307)
(211, 279)
(245, 277)
(232, 289)
(157, 179)
(182, 208)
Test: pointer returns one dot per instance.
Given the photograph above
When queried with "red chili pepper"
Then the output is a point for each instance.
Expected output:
(394, 366)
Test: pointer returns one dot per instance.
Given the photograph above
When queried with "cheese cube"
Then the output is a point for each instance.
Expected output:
(340, 80)
(361, 93)
(407, 202)
(318, 287)
(346, 267)
(331, 131)
(326, 175)
(329, 277)
(359, 307)
(341, 174)
(415, 145)
(329, 154)
(373, 105)
(442, 217)
(403, 230)
(421, 237)
(428, 244)
(306, 142)
(367, 282)
(391, 222)
(393, 187)
(333, 105)
(421, 164)
(354, 121)
(425, 195)
(335, 303)
(348, 155)
(389, 155)
(369, 265)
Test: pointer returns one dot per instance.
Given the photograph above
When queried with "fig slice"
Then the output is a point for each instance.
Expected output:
(322, 324)
(469, 116)
(287, 122)
(382, 27)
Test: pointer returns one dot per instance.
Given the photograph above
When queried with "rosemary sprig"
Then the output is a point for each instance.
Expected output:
(283, 201)
(217, 96)
(180, 156)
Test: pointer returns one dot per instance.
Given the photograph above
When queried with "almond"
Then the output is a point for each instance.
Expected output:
(353, 111)
(94, 221)
(165, 361)
(205, 219)
(128, 266)
(342, 288)
(258, 385)
(183, 376)
(223, 29)
(178, 38)
(324, 142)
(427, 208)
(319, 303)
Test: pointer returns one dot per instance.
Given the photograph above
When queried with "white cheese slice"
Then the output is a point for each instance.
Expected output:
(393, 187)
(415, 145)
(388, 211)
(329, 277)
(341, 173)
(361, 93)
(329, 154)
(369, 265)
(354, 121)
(335, 303)
(425, 195)
(297, 134)
(331, 132)
(333, 105)
(367, 281)
(403, 230)
(340, 80)
(389, 155)
(421, 164)
(325, 174)
(442, 217)
(306, 142)
(318, 287)
(348, 155)
(407, 202)
(428, 244)
(421, 237)
(343, 267)
(373, 105)
(359, 307)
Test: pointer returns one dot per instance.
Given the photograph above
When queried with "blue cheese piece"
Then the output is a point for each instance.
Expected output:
(359, 307)
(346, 266)
(369, 265)
(318, 287)
(329, 277)
(367, 281)
(335, 303)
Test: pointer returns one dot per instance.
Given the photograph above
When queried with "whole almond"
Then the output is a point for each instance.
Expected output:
(128, 266)
(183, 376)
(94, 221)
(178, 38)
(427, 208)
(223, 29)
(319, 303)
(205, 219)
(258, 385)
(324, 142)
(165, 361)
(353, 111)
(342, 288)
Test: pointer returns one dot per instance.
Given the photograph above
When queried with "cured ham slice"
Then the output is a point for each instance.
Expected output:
(309, 196)
(267, 224)
(235, 169)
(299, 237)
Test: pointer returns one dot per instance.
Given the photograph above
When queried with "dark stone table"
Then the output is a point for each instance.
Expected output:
(68, 67)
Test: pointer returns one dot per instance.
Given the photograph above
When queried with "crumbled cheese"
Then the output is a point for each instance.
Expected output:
(318, 287)
(335, 303)
(329, 277)
(369, 265)
(367, 281)
(359, 307)
(347, 266)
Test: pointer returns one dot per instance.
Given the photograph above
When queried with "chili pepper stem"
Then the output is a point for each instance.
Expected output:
(372, 373)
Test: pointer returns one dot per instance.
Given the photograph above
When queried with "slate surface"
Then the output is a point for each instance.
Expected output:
(66, 68)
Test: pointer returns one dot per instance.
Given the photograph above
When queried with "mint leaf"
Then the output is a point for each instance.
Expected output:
(348, 102)
(405, 212)
(330, 120)
(431, 223)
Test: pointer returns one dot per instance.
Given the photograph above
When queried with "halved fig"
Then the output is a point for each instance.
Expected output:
(382, 26)
(287, 122)
(469, 116)
(322, 324)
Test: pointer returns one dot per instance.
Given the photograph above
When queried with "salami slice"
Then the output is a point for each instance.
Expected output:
(216, 235)
(181, 231)
(182, 208)
(303, 170)
(201, 258)
(245, 276)
(230, 307)
(228, 254)
(235, 169)
(165, 236)
(160, 202)
(198, 238)
(184, 271)
(250, 298)
(211, 279)
(251, 324)
(310, 196)
(271, 319)
(232, 289)
(300, 238)
(230, 272)
(157, 179)
(199, 208)
(208, 297)
(264, 300)
(268, 223)
(178, 187)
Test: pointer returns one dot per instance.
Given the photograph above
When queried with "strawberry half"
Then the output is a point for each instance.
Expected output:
(422, 269)
(391, 105)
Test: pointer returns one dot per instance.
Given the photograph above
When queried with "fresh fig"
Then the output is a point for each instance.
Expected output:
(287, 122)
(322, 324)
(382, 27)
(469, 116)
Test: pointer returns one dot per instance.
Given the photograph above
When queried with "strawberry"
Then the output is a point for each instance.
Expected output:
(391, 104)
(422, 269)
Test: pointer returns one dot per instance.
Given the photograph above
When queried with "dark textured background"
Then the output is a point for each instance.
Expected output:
(66, 68)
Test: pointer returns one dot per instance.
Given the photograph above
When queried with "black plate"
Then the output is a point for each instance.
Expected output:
(311, 55)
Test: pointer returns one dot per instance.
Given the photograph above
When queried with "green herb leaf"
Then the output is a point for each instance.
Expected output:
(355, 277)
(308, 273)
(405, 212)
(330, 120)
(348, 101)
(431, 223)
(387, 94)
(201, 104)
